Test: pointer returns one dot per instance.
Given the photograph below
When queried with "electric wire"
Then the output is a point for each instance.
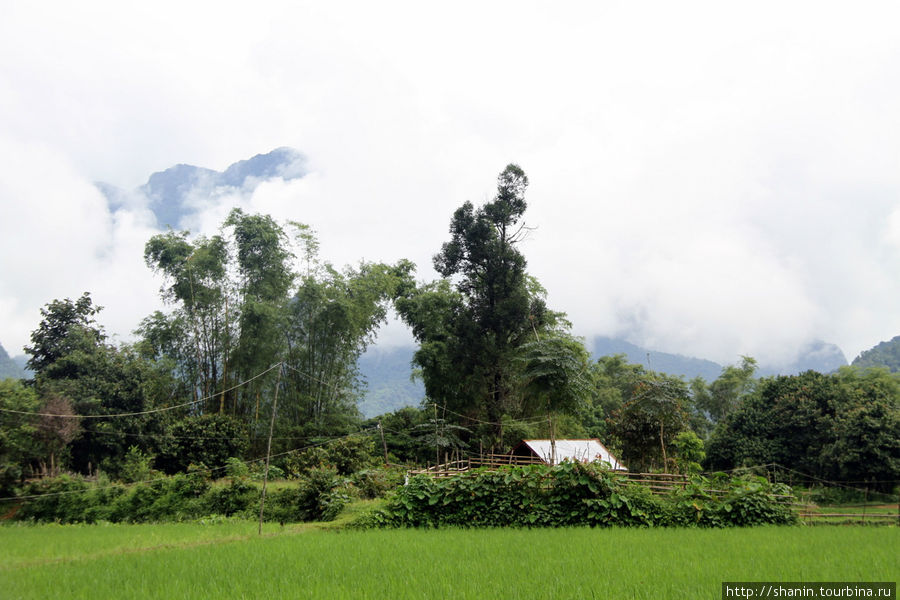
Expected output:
(143, 412)
(163, 478)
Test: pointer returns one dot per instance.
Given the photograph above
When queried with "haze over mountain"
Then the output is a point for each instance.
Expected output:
(183, 190)
(182, 195)
(388, 371)
(9, 367)
(710, 180)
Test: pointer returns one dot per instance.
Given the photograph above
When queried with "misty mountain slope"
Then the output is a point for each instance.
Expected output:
(662, 362)
(177, 192)
(8, 367)
(387, 373)
(885, 354)
(816, 356)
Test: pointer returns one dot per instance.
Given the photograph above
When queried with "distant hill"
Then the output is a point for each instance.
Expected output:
(885, 354)
(172, 194)
(663, 362)
(387, 373)
(8, 367)
(816, 356)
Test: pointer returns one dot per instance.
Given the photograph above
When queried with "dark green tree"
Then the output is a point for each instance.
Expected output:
(263, 264)
(645, 426)
(18, 447)
(66, 326)
(74, 364)
(470, 335)
(842, 426)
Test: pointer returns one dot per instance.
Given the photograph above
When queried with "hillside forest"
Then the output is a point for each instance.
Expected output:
(257, 352)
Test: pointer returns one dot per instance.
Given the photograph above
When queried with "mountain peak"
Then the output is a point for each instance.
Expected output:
(169, 192)
(8, 367)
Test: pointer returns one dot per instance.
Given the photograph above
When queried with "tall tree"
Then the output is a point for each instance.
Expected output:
(471, 334)
(243, 306)
(724, 395)
(264, 267)
(655, 412)
(196, 281)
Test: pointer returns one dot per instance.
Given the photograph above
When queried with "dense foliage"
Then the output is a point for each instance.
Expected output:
(844, 426)
(579, 494)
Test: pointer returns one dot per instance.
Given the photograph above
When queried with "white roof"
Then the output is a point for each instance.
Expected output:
(581, 450)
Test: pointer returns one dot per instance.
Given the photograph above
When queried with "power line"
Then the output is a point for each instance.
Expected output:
(520, 421)
(143, 412)
(163, 478)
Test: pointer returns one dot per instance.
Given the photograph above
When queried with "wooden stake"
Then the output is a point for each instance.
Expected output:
(262, 498)
(381, 430)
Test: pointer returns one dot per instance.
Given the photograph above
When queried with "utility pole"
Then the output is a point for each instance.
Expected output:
(384, 445)
(262, 498)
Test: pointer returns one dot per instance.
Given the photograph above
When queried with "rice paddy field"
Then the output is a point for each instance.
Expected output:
(229, 560)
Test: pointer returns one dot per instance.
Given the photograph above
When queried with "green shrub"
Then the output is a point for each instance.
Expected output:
(238, 497)
(375, 483)
(346, 455)
(235, 467)
(574, 494)
(64, 499)
(258, 472)
(321, 495)
(136, 466)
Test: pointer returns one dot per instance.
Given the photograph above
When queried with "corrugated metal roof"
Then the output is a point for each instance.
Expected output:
(581, 450)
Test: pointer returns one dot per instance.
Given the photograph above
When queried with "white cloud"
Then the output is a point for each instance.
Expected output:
(723, 178)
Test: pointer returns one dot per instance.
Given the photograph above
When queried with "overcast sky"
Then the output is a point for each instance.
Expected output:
(711, 178)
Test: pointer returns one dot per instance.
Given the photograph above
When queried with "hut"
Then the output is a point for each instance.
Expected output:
(589, 450)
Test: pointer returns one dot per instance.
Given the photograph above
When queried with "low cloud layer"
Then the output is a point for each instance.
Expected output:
(706, 179)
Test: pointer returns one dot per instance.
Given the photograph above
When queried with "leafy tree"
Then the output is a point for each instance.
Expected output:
(196, 281)
(397, 426)
(689, 452)
(647, 423)
(556, 375)
(242, 307)
(471, 326)
(266, 277)
(725, 394)
(442, 436)
(66, 326)
(840, 426)
(866, 431)
(72, 361)
(17, 433)
(208, 440)
(612, 379)
(330, 321)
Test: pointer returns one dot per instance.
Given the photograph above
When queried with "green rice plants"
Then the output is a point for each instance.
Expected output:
(228, 560)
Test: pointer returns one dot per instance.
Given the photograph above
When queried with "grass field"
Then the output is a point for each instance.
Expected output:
(229, 561)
